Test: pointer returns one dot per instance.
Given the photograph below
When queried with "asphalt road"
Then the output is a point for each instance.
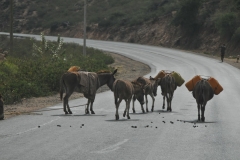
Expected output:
(53, 135)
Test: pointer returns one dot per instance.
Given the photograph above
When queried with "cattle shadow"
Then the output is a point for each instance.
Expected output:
(196, 121)
(139, 113)
(122, 120)
(163, 111)
(79, 115)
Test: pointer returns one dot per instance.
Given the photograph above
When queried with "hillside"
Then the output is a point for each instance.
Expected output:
(187, 24)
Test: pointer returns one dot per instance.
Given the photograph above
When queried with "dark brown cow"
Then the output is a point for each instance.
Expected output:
(124, 90)
(70, 82)
(150, 89)
(168, 86)
(202, 92)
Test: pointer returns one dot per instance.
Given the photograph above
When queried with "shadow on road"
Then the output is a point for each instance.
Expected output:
(196, 121)
(77, 115)
(121, 120)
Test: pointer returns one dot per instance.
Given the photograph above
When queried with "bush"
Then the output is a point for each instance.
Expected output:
(24, 75)
(225, 23)
(186, 17)
(236, 35)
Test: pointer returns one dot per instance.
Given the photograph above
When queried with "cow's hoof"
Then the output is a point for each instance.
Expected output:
(92, 112)
(143, 111)
(86, 111)
(66, 112)
(117, 117)
(69, 112)
(146, 110)
(128, 117)
(134, 111)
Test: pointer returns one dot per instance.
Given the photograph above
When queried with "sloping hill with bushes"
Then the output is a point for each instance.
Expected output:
(187, 24)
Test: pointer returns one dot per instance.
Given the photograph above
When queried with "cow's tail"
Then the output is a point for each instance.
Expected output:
(201, 91)
(115, 90)
(62, 85)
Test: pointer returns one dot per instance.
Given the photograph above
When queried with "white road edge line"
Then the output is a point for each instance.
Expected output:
(112, 148)
(37, 127)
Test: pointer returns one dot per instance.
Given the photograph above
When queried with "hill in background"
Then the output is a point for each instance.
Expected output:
(187, 24)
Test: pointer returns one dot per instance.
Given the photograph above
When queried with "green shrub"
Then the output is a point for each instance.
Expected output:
(225, 23)
(186, 17)
(24, 75)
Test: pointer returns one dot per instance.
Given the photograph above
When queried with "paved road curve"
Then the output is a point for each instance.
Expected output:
(31, 137)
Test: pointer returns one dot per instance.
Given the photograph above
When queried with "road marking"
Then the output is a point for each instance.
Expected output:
(31, 129)
(113, 147)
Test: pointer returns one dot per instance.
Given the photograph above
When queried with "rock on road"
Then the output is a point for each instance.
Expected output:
(151, 136)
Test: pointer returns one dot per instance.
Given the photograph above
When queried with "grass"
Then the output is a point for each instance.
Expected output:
(25, 75)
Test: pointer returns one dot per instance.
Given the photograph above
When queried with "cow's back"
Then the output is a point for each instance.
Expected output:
(203, 92)
(123, 89)
(168, 84)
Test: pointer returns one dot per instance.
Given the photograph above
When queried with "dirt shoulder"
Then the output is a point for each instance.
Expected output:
(127, 69)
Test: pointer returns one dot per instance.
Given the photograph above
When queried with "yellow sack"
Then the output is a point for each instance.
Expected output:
(178, 78)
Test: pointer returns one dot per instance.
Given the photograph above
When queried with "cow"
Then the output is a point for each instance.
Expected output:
(202, 92)
(124, 90)
(150, 89)
(72, 81)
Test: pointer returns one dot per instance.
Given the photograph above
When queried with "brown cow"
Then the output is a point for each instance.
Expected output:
(124, 90)
(202, 92)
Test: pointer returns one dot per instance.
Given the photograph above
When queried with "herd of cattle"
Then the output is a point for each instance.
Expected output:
(203, 89)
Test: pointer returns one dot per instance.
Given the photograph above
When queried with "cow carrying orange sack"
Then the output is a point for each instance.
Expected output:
(191, 83)
(217, 88)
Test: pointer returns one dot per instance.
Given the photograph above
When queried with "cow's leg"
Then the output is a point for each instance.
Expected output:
(146, 102)
(163, 107)
(91, 107)
(202, 114)
(124, 113)
(153, 101)
(87, 108)
(170, 102)
(133, 108)
(65, 101)
(69, 111)
(198, 106)
(129, 101)
(117, 106)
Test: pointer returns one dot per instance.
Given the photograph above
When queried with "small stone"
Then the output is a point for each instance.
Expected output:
(59, 125)
(82, 124)
(38, 126)
(151, 122)
(163, 121)
(156, 127)
(171, 122)
(205, 125)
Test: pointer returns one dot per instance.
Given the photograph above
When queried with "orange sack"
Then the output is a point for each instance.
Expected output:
(190, 84)
(217, 88)
(74, 69)
(160, 74)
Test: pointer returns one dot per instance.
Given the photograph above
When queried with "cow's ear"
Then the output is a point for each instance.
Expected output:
(114, 72)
